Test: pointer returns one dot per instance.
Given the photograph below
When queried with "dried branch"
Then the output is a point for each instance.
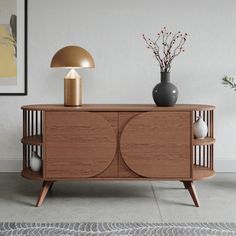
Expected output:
(165, 48)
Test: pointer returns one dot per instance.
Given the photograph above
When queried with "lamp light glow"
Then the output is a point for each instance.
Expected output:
(72, 74)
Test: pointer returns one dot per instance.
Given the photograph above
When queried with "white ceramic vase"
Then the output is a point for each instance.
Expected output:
(200, 128)
(35, 162)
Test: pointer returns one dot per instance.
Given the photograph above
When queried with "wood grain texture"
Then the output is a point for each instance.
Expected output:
(158, 144)
(77, 144)
(124, 170)
(118, 107)
(112, 169)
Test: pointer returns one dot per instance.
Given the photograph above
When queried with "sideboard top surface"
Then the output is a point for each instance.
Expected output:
(118, 107)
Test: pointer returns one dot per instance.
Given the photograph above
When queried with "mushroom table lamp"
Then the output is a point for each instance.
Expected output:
(72, 57)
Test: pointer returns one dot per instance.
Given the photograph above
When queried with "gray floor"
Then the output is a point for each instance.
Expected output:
(118, 201)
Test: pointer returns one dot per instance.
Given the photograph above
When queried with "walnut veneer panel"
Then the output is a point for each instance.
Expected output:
(158, 144)
(124, 170)
(77, 144)
(112, 170)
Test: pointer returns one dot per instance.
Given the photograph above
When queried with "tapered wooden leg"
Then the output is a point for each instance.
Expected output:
(50, 188)
(45, 188)
(185, 185)
(191, 188)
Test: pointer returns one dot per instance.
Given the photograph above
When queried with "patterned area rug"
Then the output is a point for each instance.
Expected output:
(82, 229)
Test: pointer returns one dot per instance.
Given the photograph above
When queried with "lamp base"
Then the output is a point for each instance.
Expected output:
(72, 92)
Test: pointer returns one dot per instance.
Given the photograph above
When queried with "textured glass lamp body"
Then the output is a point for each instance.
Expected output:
(165, 93)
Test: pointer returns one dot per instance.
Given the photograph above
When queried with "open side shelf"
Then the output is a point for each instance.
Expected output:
(204, 141)
(200, 172)
(29, 174)
(33, 140)
(203, 149)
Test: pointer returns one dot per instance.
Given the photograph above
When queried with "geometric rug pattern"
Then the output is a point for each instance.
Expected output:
(110, 229)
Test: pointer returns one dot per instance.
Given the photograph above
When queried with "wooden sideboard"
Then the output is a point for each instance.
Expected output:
(117, 142)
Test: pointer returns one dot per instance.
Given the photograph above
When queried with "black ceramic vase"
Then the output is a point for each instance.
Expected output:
(165, 93)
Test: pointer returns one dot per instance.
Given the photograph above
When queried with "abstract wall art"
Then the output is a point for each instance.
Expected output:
(13, 47)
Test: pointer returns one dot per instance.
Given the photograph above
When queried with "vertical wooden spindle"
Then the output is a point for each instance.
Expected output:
(36, 122)
(24, 135)
(28, 156)
(211, 121)
(36, 128)
(212, 157)
(204, 156)
(212, 161)
(28, 123)
(24, 124)
(212, 124)
(195, 147)
(200, 155)
(28, 133)
(208, 126)
(24, 158)
(207, 155)
(212, 135)
(41, 122)
(32, 128)
(32, 122)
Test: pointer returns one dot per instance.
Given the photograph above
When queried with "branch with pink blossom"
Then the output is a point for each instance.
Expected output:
(166, 47)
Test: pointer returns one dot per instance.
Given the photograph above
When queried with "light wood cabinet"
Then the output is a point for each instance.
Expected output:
(117, 142)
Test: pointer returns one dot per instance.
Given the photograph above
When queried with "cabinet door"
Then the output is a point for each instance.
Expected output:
(77, 144)
(158, 144)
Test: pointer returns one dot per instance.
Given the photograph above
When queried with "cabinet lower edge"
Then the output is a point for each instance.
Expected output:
(198, 174)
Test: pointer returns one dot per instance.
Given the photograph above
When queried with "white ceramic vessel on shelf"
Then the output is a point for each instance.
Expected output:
(35, 162)
(200, 128)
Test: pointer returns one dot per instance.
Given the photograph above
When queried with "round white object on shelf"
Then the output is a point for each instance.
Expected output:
(35, 162)
(200, 128)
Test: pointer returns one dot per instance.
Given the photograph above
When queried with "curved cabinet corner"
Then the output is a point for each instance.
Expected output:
(77, 144)
(157, 144)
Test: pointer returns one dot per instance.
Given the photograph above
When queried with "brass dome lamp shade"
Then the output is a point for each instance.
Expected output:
(72, 57)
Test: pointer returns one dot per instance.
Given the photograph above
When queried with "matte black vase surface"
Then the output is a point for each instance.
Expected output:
(165, 93)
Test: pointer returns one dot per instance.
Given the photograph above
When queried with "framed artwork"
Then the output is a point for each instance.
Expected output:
(13, 47)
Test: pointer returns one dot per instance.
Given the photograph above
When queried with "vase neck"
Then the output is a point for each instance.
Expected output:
(165, 77)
